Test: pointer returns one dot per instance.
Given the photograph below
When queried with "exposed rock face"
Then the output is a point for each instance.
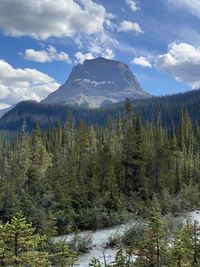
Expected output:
(98, 82)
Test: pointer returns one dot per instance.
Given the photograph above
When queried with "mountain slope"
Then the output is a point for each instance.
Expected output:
(96, 83)
(5, 110)
(48, 114)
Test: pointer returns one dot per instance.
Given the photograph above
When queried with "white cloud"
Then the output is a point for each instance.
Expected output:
(183, 62)
(94, 51)
(133, 5)
(4, 106)
(110, 16)
(192, 6)
(127, 26)
(4, 92)
(109, 54)
(80, 57)
(41, 19)
(98, 50)
(49, 55)
(21, 84)
(142, 61)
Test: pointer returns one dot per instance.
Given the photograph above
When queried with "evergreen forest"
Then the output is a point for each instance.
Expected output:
(80, 176)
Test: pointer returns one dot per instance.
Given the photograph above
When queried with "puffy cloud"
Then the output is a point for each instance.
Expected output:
(192, 6)
(142, 61)
(183, 62)
(22, 84)
(133, 5)
(41, 19)
(48, 55)
(127, 26)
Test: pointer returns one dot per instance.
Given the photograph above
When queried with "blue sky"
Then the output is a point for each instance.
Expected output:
(41, 40)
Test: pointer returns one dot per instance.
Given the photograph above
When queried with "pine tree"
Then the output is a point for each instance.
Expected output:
(121, 259)
(20, 246)
(152, 249)
(182, 247)
(134, 164)
(63, 256)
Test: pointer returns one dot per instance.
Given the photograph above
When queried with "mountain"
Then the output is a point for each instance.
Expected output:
(5, 110)
(97, 83)
(49, 114)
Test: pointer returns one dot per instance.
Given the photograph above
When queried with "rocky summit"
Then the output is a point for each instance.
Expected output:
(96, 83)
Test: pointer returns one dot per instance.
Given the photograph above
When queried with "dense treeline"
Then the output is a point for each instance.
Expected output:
(91, 177)
(48, 114)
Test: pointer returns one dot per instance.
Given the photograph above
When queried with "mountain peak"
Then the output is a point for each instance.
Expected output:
(98, 82)
(99, 59)
(102, 60)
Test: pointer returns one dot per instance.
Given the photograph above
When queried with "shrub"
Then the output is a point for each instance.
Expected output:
(81, 243)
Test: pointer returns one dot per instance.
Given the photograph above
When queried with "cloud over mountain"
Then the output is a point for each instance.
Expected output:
(94, 51)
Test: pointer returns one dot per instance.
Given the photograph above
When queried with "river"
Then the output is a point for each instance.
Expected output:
(101, 237)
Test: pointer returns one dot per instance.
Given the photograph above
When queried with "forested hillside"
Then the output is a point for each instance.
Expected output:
(87, 177)
(93, 177)
(30, 112)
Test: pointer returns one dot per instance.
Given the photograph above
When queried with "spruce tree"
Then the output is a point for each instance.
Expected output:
(20, 246)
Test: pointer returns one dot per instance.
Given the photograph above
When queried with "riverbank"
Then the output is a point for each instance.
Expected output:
(100, 239)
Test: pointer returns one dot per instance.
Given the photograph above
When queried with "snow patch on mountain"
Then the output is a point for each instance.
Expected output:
(95, 83)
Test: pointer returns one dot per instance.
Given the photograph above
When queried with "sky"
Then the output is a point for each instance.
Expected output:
(41, 41)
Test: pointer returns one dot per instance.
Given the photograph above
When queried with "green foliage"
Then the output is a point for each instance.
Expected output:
(49, 114)
(160, 245)
(81, 244)
(19, 245)
(152, 248)
(63, 256)
(190, 196)
(121, 259)
(92, 177)
(182, 247)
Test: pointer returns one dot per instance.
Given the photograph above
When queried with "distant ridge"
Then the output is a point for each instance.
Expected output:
(49, 114)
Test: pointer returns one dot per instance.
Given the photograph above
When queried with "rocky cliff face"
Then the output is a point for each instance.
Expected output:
(96, 83)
